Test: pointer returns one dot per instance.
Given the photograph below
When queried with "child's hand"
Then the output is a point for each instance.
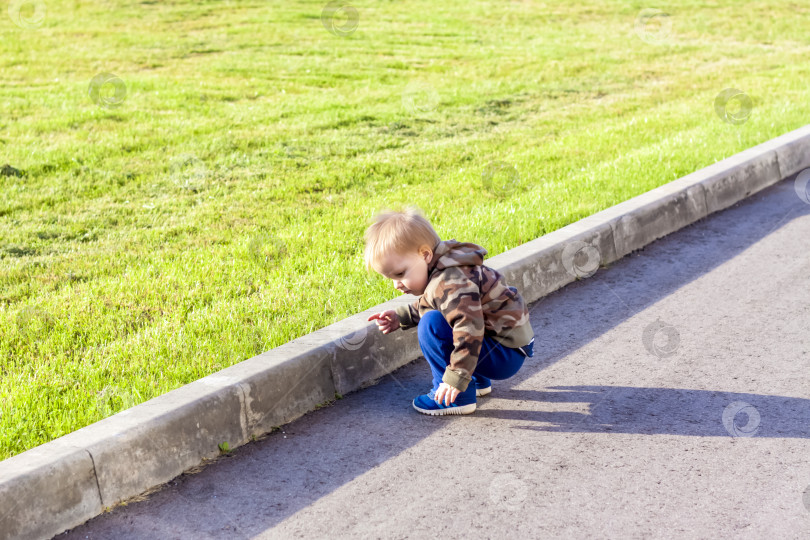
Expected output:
(446, 393)
(387, 321)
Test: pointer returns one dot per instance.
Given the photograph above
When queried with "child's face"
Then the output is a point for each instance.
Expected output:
(408, 272)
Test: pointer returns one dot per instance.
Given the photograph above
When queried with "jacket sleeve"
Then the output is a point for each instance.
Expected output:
(409, 315)
(458, 298)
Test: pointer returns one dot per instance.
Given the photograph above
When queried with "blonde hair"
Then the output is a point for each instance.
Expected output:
(398, 233)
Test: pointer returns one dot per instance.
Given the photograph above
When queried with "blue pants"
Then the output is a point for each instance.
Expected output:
(495, 361)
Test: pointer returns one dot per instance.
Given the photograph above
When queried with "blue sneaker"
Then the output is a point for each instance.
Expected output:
(483, 386)
(427, 404)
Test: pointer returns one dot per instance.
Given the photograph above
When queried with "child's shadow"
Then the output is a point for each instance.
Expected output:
(655, 411)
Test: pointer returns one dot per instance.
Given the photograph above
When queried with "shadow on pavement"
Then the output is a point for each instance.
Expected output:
(663, 411)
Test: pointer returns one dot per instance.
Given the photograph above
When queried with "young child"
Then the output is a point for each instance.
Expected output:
(472, 326)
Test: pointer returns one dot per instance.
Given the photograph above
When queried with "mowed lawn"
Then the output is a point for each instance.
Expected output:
(208, 201)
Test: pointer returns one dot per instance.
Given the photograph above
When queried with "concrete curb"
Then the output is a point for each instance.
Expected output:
(65, 482)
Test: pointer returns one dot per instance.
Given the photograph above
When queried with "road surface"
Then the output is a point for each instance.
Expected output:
(668, 398)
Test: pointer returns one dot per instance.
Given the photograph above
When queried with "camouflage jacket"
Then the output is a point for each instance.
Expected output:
(475, 300)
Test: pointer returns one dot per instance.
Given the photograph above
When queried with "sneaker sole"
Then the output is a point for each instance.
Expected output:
(483, 391)
(464, 409)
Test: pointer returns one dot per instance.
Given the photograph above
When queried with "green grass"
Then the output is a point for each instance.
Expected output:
(219, 211)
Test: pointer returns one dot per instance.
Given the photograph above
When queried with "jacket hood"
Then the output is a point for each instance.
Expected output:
(454, 253)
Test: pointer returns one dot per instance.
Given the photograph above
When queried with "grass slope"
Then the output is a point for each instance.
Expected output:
(218, 210)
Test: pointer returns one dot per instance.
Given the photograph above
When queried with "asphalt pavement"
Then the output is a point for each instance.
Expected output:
(668, 398)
